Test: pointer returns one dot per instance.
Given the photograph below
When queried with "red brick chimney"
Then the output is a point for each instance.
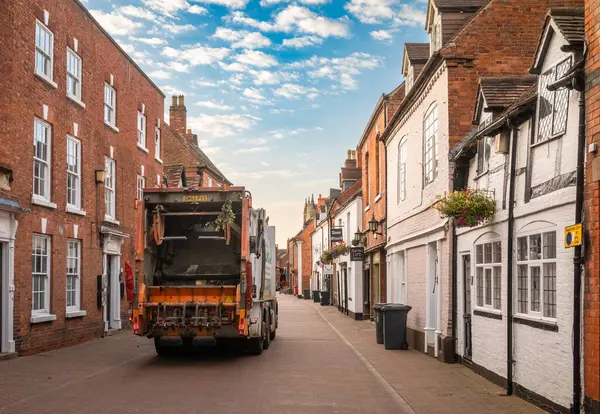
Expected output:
(190, 138)
(178, 115)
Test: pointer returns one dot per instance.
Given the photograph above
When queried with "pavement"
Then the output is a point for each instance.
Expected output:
(320, 362)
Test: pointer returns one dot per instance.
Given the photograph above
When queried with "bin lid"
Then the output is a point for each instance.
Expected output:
(379, 305)
(395, 307)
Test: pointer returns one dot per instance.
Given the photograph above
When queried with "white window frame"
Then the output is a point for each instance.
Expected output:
(409, 78)
(75, 174)
(484, 151)
(110, 105)
(543, 282)
(73, 272)
(140, 184)
(46, 55)
(493, 286)
(110, 189)
(430, 145)
(74, 77)
(44, 192)
(39, 240)
(402, 159)
(209, 182)
(157, 145)
(141, 131)
(549, 76)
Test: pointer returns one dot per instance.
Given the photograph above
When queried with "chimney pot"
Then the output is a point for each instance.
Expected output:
(174, 100)
(189, 131)
(181, 100)
(349, 156)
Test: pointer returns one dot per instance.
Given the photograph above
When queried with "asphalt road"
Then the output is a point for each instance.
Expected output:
(309, 368)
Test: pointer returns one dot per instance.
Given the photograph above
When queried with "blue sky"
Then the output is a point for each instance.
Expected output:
(276, 90)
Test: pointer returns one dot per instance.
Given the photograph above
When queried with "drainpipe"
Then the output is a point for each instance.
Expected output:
(578, 259)
(509, 261)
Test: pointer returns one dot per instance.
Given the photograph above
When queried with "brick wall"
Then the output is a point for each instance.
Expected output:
(22, 99)
(592, 210)
(305, 236)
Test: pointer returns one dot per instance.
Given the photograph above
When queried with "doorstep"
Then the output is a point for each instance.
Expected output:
(112, 332)
(5, 356)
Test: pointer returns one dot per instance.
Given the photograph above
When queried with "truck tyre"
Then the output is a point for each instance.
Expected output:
(161, 350)
(274, 330)
(267, 334)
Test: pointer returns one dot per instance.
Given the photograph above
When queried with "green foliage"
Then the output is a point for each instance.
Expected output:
(327, 256)
(226, 216)
(469, 208)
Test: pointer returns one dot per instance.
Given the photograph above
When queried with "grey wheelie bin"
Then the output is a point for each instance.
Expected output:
(379, 321)
(394, 325)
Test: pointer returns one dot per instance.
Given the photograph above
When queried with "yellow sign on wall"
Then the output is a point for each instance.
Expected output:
(573, 235)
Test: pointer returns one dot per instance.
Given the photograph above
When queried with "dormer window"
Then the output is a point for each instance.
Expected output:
(436, 35)
(553, 106)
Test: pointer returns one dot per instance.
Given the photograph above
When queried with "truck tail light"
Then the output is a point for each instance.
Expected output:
(254, 291)
(136, 325)
(241, 326)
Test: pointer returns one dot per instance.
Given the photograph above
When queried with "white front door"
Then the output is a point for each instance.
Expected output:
(111, 292)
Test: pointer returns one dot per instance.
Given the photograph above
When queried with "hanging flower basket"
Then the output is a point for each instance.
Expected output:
(326, 257)
(341, 249)
(469, 208)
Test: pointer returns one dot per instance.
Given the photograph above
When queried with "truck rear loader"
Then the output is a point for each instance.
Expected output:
(209, 269)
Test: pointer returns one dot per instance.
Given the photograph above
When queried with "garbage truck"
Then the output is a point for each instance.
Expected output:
(208, 270)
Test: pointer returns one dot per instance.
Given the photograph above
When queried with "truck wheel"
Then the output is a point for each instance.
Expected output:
(272, 336)
(162, 350)
(267, 333)
(256, 345)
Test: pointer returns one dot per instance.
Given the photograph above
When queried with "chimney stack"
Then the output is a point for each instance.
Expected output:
(178, 115)
(349, 156)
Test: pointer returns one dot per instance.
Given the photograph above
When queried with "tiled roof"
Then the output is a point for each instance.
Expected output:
(502, 92)
(460, 4)
(417, 52)
(174, 174)
(570, 22)
(351, 173)
(348, 194)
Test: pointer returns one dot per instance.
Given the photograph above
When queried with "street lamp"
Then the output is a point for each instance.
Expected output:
(357, 238)
(374, 225)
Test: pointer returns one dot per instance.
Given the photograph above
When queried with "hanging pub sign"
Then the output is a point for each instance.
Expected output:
(357, 254)
(337, 234)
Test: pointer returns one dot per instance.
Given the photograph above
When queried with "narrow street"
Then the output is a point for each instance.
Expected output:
(321, 362)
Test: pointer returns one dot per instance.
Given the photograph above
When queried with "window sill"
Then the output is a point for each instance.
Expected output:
(158, 160)
(488, 313)
(111, 126)
(367, 208)
(537, 144)
(143, 148)
(45, 79)
(377, 198)
(76, 100)
(75, 314)
(111, 220)
(75, 210)
(538, 323)
(42, 202)
(42, 317)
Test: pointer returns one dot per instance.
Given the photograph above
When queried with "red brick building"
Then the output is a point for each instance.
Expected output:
(94, 119)
(591, 315)
(371, 159)
(181, 147)
(303, 255)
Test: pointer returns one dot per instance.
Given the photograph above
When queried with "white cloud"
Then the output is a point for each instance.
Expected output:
(177, 29)
(264, 77)
(302, 41)
(256, 58)
(202, 83)
(176, 66)
(381, 35)
(294, 91)
(284, 133)
(214, 105)
(242, 38)
(347, 82)
(197, 55)
(233, 67)
(264, 164)
(259, 175)
(137, 12)
(127, 47)
(254, 96)
(167, 7)
(195, 9)
(254, 141)
(251, 150)
(267, 3)
(222, 125)
(152, 41)
(115, 23)
(231, 4)
(378, 11)
(281, 111)
(171, 90)
(160, 74)
(297, 18)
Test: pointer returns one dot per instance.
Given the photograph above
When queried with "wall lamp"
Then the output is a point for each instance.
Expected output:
(374, 225)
